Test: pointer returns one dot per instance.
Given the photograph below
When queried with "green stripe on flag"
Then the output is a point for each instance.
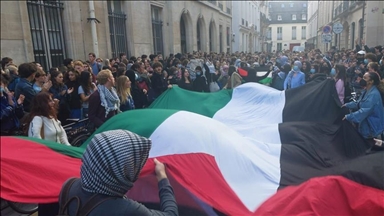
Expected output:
(135, 121)
(206, 104)
(60, 148)
(267, 80)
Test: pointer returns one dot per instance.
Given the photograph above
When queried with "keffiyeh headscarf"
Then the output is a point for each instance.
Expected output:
(109, 99)
(112, 162)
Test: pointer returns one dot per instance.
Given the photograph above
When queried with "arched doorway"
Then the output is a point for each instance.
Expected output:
(346, 35)
(212, 37)
(198, 36)
(353, 29)
(183, 37)
(201, 34)
(186, 33)
(361, 29)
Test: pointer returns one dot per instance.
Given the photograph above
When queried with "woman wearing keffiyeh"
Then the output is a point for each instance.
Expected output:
(111, 164)
(104, 103)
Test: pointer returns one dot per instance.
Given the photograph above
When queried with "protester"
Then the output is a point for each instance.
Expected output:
(159, 85)
(123, 87)
(86, 88)
(124, 153)
(368, 111)
(295, 78)
(73, 82)
(200, 84)
(340, 79)
(234, 79)
(43, 122)
(185, 81)
(11, 110)
(40, 80)
(61, 92)
(104, 102)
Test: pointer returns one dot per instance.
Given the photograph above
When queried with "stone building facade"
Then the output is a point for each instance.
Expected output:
(288, 25)
(246, 26)
(49, 31)
(360, 20)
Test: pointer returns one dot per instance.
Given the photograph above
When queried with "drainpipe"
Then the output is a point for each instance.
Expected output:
(92, 18)
(363, 16)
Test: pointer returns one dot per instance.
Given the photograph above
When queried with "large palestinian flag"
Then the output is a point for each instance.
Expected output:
(228, 152)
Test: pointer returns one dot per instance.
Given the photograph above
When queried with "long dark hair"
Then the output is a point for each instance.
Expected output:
(231, 70)
(85, 81)
(183, 70)
(374, 76)
(341, 72)
(40, 107)
(55, 84)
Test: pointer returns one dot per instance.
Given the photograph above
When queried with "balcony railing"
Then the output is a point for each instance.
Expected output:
(344, 7)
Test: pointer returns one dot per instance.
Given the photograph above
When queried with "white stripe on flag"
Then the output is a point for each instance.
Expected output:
(250, 167)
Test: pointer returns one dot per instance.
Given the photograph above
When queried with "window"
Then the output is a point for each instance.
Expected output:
(157, 30)
(246, 23)
(279, 46)
(304, 5)
(290, 4)
(293, 32)
(269, 33)
(303, 32)
(303, 16)
(293, 16)
(242, 21)
(279, 17)
(117, 30)
(270, 5)
(221, 6)
(282, 5)
(279, 33)
(228, 36)
(46, 24)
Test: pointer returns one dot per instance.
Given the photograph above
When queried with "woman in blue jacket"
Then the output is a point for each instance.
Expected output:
(295, 77)
(368, 110)
(11, 110)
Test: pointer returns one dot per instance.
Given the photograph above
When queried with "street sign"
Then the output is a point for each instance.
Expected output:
(326, 38)
(337, 28)
(327, 29)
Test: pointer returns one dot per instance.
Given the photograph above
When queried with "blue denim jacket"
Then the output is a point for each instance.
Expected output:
(369, 114)
(25, 88)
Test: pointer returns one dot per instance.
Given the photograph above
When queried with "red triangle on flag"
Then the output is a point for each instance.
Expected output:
(243, 72)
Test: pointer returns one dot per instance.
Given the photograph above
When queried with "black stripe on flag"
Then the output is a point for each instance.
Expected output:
(316, 142)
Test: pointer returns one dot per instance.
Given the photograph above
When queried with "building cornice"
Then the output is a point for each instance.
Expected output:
(158, 3)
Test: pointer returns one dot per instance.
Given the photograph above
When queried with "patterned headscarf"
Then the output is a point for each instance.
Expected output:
(112, 162)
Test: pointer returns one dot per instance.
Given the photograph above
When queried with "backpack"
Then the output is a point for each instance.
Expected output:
(82, 210)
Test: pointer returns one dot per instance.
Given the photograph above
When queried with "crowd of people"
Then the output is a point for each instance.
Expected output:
(37, 102)
(99, 89)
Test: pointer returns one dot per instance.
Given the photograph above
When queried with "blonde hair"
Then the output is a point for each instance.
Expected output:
(78, 63)
(122, 91)
(103, 76)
